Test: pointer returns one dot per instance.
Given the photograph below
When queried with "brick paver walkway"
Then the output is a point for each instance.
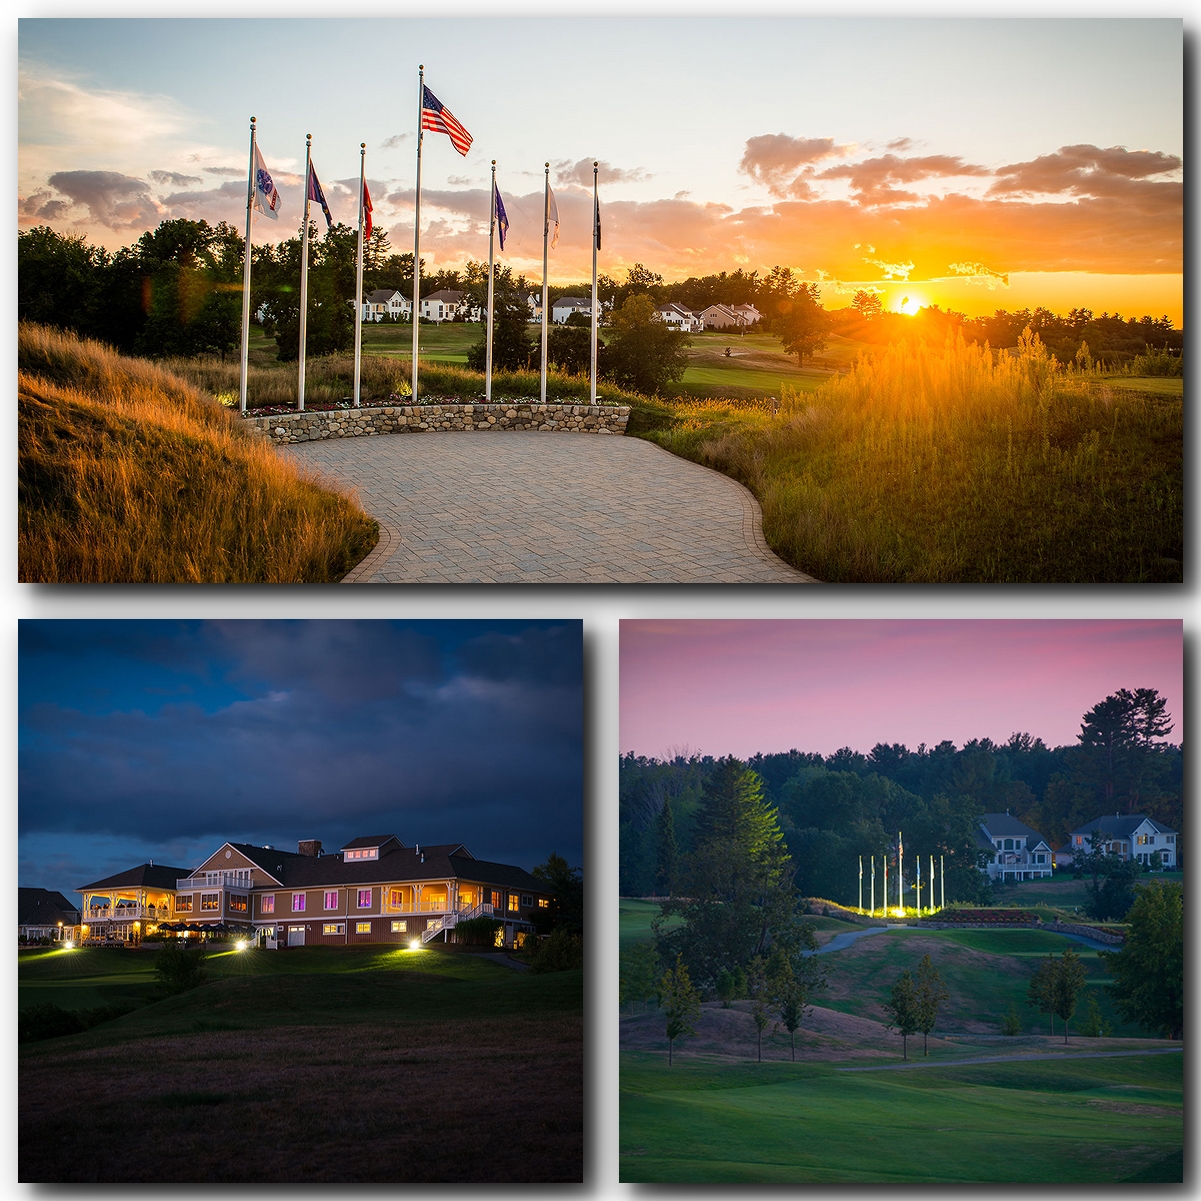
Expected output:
(546, 508)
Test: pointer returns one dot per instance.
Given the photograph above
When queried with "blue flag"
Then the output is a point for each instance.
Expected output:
(502, 218)
(315, 193)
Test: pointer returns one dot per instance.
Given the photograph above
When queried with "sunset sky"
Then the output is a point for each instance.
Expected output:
(975, 164)
(737, 687)
(162, 739)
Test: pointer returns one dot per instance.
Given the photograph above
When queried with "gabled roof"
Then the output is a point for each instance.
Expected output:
(447, 295)
(1122, 825)
(145, 875)
(43, 907)
(383, 295)
(1001, 825)
(372, 840)
(570, 302)
(674, 308)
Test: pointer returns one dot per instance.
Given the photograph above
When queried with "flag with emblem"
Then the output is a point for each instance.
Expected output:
(266, 195)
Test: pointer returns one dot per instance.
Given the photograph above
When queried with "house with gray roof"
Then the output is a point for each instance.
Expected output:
(1016, 851)
(1129, 836)
(44, 913)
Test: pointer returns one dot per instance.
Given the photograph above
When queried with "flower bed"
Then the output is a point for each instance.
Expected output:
(988, 917)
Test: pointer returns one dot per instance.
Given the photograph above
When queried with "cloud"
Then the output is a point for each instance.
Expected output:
(173, 178)
(117, 201)
(236, 172)
(978, 272)
(580, 172)
(873, 181)
(397, 139)
(1090, 171)
(774, 159)
(892, 270)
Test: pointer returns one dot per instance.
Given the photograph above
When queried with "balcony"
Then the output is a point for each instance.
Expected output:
(126, 913)
(213, 880)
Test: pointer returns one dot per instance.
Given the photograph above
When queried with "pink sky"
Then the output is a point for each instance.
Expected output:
(737, 687)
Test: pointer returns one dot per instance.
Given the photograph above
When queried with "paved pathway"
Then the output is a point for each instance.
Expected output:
(519, 507)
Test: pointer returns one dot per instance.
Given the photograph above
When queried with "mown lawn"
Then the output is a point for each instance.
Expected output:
(358, 1065)
(1070, 1121)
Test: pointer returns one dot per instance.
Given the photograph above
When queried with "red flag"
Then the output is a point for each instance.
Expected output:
(366, 212)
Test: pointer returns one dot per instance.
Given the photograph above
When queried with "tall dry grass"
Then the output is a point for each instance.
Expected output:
(331, 378)
(127, 473)
(952, 464)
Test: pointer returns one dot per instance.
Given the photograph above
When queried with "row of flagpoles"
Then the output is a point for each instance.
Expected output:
(262, 196)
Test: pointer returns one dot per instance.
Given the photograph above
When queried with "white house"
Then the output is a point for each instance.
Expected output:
(1132, 836)
(387, 303)
(678, 317)
(749, 314)
(535, 306)
(563, 308)
(1016, 852)
(447, 304)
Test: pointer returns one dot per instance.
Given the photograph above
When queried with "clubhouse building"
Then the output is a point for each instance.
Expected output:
(374, 890)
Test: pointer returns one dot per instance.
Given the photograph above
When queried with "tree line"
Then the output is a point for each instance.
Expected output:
(832, 809)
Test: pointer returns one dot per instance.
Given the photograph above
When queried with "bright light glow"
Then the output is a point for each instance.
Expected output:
(68, 945)
(415, 945)
(240, 945)
(898, 913)
(909, 305)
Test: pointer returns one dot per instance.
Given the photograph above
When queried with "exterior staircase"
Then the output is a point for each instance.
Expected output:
(448, 922)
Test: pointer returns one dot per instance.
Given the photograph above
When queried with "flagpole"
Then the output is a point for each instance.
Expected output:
(491, 269)
(358, 280)
(304, 270)
(595, 248)
(246, 275)
(545, 237)
(417, 226)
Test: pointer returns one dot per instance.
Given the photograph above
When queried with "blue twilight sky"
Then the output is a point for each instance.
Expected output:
(161, 739)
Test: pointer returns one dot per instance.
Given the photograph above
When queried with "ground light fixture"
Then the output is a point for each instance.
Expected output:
(69, 945)
(240, 945)
(415, 945)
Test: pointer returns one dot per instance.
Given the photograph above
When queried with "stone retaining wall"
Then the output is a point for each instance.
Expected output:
(1110, 936)
(314, 426)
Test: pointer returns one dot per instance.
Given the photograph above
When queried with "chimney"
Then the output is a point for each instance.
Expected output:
(310, 847)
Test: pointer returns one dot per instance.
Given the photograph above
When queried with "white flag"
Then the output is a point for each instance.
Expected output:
(266, 197)
(552, 216)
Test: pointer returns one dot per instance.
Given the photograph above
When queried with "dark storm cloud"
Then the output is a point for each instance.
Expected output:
(112, 199)
(433, 731)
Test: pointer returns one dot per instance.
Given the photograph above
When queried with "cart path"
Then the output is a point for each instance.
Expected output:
(954, 1063)
(529, 507)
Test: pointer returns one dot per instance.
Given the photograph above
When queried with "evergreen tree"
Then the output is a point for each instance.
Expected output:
(665, 872)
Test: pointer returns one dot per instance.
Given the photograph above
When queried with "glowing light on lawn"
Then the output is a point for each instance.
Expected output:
(68, 945)
(240, 945)
(415, 945)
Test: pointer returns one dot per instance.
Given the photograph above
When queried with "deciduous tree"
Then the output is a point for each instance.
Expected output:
(931, 993)
(903, 1010)
(1148, 971)
(680, 1002)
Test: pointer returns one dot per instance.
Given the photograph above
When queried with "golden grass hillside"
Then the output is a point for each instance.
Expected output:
(127, 473)
(950, 464)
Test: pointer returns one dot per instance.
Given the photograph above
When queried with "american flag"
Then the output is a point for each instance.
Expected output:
(441, 120)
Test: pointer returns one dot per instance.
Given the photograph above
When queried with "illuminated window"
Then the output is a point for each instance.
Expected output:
(332, 928)
(268, 905)
(396, 898)
(237, 904)
(362, 853)
(544, 902)
(513, 905)
(1142, 840)
(210, 900)
(527, 901)
(364, 898)
(399, 927)
(497, 899)
(362, 927)
(298, 902)
(183, 904)
(331, 898)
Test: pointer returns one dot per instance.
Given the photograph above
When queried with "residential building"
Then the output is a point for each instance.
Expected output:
(43, 913)
(1129, 836)
(535, 306)
(678, 317)
(720, 316)
(1016, 852)
(387, 304)
(449, 304)
(563, 308)
(749, 314)
(375, 889)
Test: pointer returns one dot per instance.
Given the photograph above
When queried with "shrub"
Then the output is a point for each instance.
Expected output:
(477, 932)
(1011, 1024)
(50, 1021)
(179, 967)
(560, 951)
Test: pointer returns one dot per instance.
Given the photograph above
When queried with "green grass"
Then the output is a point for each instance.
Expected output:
(1082, 1121)
(634, 920)
(445, 343)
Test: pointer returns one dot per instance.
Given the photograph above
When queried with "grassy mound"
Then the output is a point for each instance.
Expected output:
(129, 474)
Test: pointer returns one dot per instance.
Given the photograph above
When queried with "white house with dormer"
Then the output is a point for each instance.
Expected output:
(449, 304)
(387, 304)
(1129, 836)
(563, 308)
(1015, 850)
(677, 317)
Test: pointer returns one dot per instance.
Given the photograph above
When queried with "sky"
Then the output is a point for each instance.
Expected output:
(160, 740)
(738, 687)
(977, 164)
